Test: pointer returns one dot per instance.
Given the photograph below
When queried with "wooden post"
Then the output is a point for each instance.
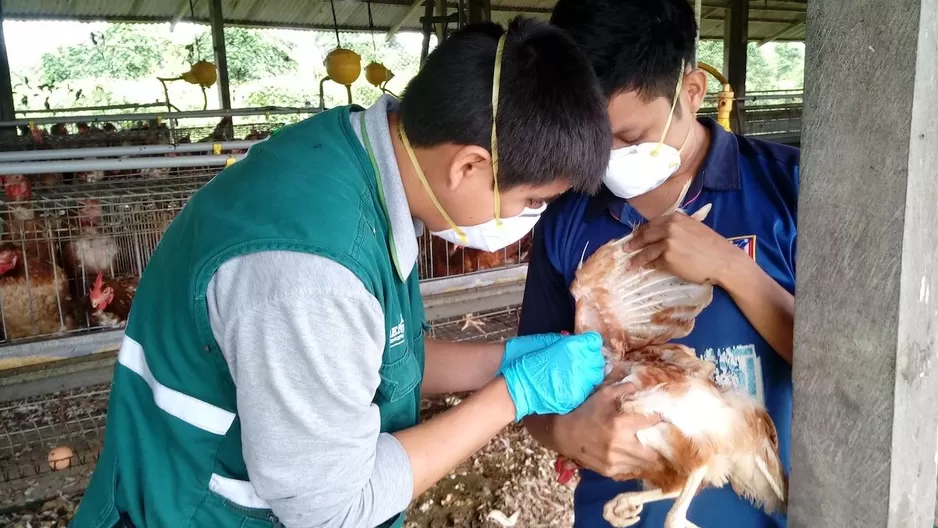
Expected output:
(221, 56)
(865, 432)
(735, 52)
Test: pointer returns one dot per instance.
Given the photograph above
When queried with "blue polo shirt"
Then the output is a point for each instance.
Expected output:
(753, 186)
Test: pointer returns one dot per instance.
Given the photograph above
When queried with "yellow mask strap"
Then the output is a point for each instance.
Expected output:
(496, 81)
(677, 94)
(423, 178)
(426, 185)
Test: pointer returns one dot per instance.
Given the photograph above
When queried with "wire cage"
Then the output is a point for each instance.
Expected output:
(439, 258)
(61, 231)
(66, 135)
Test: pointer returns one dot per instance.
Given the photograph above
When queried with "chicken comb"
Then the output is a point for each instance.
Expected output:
(98, 283)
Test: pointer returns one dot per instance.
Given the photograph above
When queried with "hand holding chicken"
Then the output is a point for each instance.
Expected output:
(708, 435)
(683, 246)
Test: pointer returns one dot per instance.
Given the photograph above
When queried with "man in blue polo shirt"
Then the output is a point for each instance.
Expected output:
(644, 54)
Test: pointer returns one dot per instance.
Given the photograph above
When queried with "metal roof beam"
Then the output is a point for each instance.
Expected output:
(180, 12)
(411, 11)
(791, 28)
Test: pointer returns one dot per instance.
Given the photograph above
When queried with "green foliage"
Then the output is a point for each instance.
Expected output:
(275, 95)
(120, 52)
(251, 54)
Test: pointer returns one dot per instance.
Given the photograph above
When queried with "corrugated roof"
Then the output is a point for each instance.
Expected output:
(769, 19)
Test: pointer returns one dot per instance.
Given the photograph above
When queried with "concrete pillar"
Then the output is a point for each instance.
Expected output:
(735, 52)
(6, 85)
(221, 56)
(865, 433)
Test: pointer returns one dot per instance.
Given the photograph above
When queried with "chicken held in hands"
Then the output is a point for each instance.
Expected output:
(709, 435)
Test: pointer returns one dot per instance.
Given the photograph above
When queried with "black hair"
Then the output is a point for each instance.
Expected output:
(634, 45)
(552, 120)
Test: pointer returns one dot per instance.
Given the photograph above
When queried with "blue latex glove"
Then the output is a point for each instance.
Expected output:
(558, 378)
(520, 346)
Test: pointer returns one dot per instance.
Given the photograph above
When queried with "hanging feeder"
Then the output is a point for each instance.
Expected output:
(724, 97)
(378, 75)
(202, 74)
(343, 66)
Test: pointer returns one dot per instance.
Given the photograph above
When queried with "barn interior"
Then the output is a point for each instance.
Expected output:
(111, 177)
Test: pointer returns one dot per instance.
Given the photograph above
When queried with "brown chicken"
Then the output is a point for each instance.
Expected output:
(109, 300)
(22, 225)
(34, 295)
(92, 251)
(450, 259)
(709, 435)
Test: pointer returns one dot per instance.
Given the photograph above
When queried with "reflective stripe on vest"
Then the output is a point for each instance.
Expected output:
(196, 413)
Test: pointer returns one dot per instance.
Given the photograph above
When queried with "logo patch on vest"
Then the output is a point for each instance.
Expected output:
(745, 243)
(398, 332)
(737, 366)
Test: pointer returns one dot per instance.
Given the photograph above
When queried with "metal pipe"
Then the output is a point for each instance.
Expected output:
(91, 108)
(263, 110)
(162, 162)
(106, 152)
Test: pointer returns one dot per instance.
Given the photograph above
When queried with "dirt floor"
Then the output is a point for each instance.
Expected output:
(509, 483)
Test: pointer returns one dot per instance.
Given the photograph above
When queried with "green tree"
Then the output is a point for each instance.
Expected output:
(251, 54)
(122, 51)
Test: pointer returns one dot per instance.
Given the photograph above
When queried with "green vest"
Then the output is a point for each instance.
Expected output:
(172, 453)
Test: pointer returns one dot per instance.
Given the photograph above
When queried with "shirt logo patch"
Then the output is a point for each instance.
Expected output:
(396, 338)
(737, 366)
(745, 243)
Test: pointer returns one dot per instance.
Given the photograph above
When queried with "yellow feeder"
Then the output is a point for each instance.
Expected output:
(343, 66)
(202, 73)
(724, 98)
(378, 75)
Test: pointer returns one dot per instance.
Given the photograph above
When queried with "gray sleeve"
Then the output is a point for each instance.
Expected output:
(303, 339)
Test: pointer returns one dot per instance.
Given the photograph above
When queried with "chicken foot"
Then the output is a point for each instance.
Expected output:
(624, 509)
(470, 320)
(677, 517)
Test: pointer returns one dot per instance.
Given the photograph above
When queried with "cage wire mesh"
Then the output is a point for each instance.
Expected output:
(68, 228)
(439, 258)
(31, 427)
(72, 135)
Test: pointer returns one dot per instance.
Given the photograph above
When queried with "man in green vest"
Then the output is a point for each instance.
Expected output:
(276, 353)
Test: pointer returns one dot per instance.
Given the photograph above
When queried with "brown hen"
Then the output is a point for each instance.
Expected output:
(709, 435)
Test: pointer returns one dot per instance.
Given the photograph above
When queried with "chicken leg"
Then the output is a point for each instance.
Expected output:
(470, 320)
(677, 517)
(624, 509)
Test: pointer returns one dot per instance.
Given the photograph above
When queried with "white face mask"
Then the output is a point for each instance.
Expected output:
(642, 168)
(490, 236)
(497, 233)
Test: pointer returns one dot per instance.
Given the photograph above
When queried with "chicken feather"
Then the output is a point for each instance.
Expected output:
(710, 435)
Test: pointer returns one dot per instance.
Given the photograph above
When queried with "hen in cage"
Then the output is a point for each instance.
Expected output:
(448, 259)
(34, 296)
(108, 301)
(92, 251)
(21, 223)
